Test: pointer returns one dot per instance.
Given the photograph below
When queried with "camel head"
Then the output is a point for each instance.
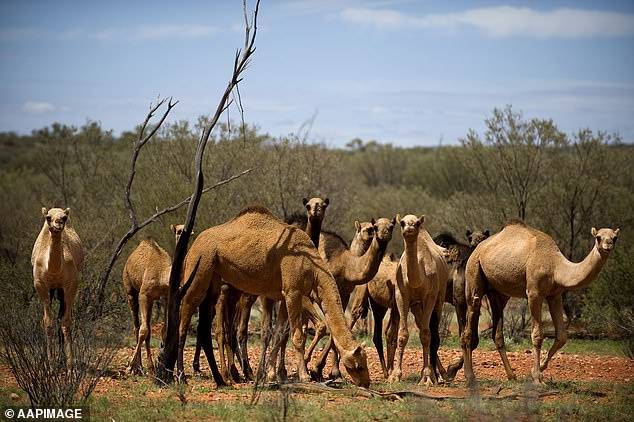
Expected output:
(476, 237)
(365, 231)
(605, 239)
(316, 208)
(356, 364)
(178, 231)
(383, 228)
(410, 226)
(56, 218)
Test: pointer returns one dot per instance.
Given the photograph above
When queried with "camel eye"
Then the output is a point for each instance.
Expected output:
(307, 207)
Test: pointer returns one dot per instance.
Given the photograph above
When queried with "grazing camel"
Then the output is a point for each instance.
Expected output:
(236, 307)
(260, 255)
(57, 259)
(146, 280)
(350, 271)
(457, 255)
(521, 261)
(421, 280)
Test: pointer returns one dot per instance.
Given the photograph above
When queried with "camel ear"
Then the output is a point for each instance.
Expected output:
(173, 228)
(357, 225)
(398, 218)
(44, 211)
(593, 231)
(487, 233)
(67, 211)
(422, 218)
(468, 233)
(372, 221)
(326, 202)
(616, 232)
(394, 221)
(305, 201)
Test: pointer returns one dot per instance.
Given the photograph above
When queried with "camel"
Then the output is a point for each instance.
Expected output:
(521, 261)
(350, 271)
(57, 260)
(146, 280)
(379, 294)
(421, 279)
(260, 255)
(457, 255)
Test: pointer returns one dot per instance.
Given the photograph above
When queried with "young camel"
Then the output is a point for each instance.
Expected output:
(260, 255)
(421, 280)
(57, 259)
(350, 271)
(146, 280)
(457, 255)
(521, 261)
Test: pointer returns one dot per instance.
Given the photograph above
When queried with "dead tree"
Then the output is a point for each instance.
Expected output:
(135, 225)
(169, 353)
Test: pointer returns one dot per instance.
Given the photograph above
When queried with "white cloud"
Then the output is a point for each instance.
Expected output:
(157, 32)
(505, 21)
(38, 107)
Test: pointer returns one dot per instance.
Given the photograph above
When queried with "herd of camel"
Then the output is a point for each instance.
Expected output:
(313, 273)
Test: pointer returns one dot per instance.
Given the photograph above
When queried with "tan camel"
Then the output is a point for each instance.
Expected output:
(521, 261)
(457, 255)
(421, 280)
(146, 280)
(379, 295)
(350, 271)
(57, 260)
(260, 255)
(360, 244)
(238, 309)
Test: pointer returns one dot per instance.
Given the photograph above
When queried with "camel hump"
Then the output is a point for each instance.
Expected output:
(515, 222)
(255, 209)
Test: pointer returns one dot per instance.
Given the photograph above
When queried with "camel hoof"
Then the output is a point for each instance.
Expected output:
(511, 377)
(394, 377)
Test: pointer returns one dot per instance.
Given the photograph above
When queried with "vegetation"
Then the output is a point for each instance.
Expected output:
(561, 183)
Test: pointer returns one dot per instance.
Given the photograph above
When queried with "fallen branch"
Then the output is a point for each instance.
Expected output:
(353, 391)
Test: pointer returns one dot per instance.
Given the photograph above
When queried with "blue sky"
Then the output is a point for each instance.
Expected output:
(406, 72)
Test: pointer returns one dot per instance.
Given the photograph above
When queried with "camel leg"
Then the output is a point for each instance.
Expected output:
(245, 305)
(475, 287)
(535, 305)
(335, 372)
(377, 335)
(402, 303)
(47, 322)
(279, 337)
(556, 308)
(497, 301)
(265, 335)
(295, 316)
(391, 334)
(230, 330)
(133, 302)
(422, 315)
(66, 304)
(219, 332)
(196, 362)
(136, 367)
(461, 317)
(206, 311)
(320, 326)
(148, 349)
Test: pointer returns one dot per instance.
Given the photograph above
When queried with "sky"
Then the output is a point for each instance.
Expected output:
(404, 72)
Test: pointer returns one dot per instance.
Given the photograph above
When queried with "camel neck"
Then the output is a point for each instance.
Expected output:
(358, 246)
(328, 294)
(361, 269)
(55, 252)
(571, 275)
(411, 262)
(313, 229)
